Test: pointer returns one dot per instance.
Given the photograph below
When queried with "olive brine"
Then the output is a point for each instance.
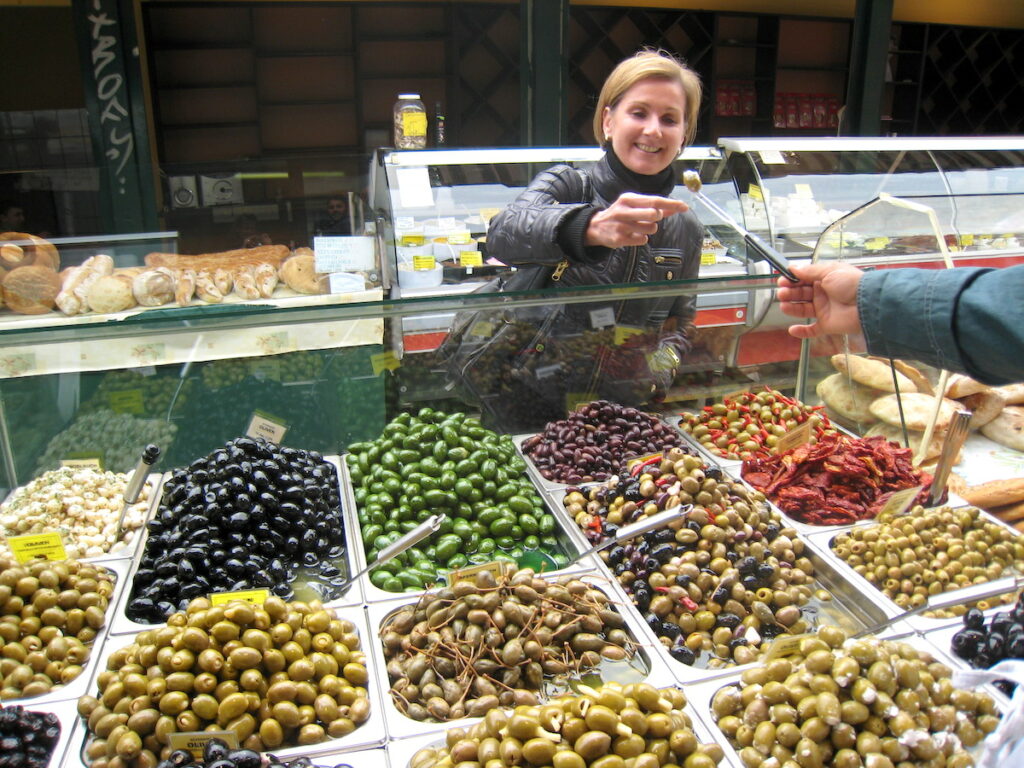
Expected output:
(437, 462)
(247, 516)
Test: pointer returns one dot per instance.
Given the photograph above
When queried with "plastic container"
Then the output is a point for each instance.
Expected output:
(410, 122)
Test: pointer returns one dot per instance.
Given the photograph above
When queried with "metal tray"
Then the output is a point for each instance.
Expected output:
(374, 594)
(154, 482)
(822, 542)
(78, 686)
(353, 596)
(940, 640)
(401, 726)
(401, 751)
(370, 734)
(702, 693)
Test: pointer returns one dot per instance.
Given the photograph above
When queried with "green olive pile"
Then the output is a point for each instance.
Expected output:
(278, 675)
(927, 552)
(749, 424)
(436, 462)
(615, 726)
(465, 650)
(859, 704)
(719, 583)
(49, 614)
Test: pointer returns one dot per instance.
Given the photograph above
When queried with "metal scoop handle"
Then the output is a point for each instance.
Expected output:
(955, 437)
(645, 525)
(416, 535)
(956, 597)
(138, 478)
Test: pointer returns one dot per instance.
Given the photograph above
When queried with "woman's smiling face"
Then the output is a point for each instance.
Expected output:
(647, 127)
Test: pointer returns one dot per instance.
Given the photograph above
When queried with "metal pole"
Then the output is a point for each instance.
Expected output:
(872, 23)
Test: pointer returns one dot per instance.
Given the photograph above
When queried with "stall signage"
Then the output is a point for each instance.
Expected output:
(254, 596)
(195, 741)
(266, 426)
(46, 545)
(793, 438)
(385, 361)
(343, 253)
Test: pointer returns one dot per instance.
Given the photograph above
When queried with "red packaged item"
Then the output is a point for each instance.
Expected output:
(792, 115)
(806, 114)
(722, 98)
(749, 100)
(833, 112)
(819, 109)
(734, 100)
(779, 111)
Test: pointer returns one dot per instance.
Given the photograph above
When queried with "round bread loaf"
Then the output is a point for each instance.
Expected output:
(31, 290)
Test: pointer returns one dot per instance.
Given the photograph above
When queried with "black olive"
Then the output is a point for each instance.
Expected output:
(728, 620)
(237, 521)
(309, 558)
(245, 758)
(683, 654)
(215, 749)
(234, 567)
(736, 642)
(669, 629)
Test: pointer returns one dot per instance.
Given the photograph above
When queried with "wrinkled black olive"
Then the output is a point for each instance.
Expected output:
(682, 653)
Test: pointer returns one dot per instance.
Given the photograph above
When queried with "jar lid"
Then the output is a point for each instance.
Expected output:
(408, 95)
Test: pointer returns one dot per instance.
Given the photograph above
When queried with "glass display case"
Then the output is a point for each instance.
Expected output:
(790, 190)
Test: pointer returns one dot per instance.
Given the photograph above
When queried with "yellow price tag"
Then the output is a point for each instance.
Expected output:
(497, 568)
(900, 501)
(574, 400)
(708, 259)
(254, 596)
(784, 646)
(410, 240)
(46, 545)
(966, 240)
(482, 328)
(126, 401)
(385, 361)
(423, 262)
(626, 332)
(755, 192)
(195, 741)
(414, 123)
(796, 436)
(85, 461)
(471, 259)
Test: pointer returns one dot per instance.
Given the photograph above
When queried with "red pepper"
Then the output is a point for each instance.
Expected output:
(688, 604)
(655, 459)
(664, 480)
(596, 524)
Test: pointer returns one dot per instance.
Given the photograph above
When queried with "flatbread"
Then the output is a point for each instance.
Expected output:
(995, 493)
(871, 373)
(915, 375)
(895, 435)
(960, 385)
(1007, 428)
(1013, 393)
(850, 402)
(917, 410)
(984, 406)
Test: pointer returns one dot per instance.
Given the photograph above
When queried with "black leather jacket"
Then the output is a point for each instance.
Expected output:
(526, 232)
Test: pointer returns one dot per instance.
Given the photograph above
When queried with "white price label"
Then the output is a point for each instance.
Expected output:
(602, 318)
(343, 254)
(266, 426)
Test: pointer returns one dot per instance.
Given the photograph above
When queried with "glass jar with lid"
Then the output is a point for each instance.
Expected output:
(410, 122)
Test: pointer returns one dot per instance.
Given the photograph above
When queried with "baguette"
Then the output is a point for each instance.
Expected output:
(210, 262)
(1010, 513)
(995, 493)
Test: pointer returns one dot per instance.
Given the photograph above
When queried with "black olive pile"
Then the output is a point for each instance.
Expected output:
(27, 739)
(217, 754)
(246, 516)
(983, 647)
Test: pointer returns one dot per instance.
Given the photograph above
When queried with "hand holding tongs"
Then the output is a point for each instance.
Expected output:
(693, 183)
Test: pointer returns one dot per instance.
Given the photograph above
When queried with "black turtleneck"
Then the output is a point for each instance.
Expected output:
(571, 235)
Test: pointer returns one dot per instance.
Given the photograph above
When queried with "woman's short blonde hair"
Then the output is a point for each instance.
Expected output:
(640, 66)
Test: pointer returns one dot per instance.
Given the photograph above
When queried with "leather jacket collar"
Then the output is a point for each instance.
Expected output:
(611, 178)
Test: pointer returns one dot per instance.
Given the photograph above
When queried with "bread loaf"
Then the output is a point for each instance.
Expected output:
(153, 287)
(1012, 393)
(961, 385)
(19, 249)
(245, 284)
(1007, 428)
(185, 287)
(984, 406)
(299, 274)
(31, 290)
(206, 288)
(111, 293)
(847, 400)
(995, 493)
(241, 257)
(917, 410)
(871, 373)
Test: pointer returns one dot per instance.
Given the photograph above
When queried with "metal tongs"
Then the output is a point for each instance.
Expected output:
(693, 183)
(131, 493)
(955, 437)
(431, 525)
(956, 597)
(645, 525)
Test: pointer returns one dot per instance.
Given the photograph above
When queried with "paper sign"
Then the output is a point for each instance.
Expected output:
(482, 328)
(266, 426)
(385, 361)
(423, 262)
(772, 157)
(412, 240)
(574, 400)
(254, 596)
(708, 259)
(497, 568)
(345, 282)
(626, 332)
(602, 318)
(90, 461)
(545, 371)
(343, 254)
(414, 187)
(755, 192)
(447, 223)
(471, 259)
(266, 368)
(46, 545)
(784, 646)
(126, 401)
(195, 741)
(796, 436)
(900, 501)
